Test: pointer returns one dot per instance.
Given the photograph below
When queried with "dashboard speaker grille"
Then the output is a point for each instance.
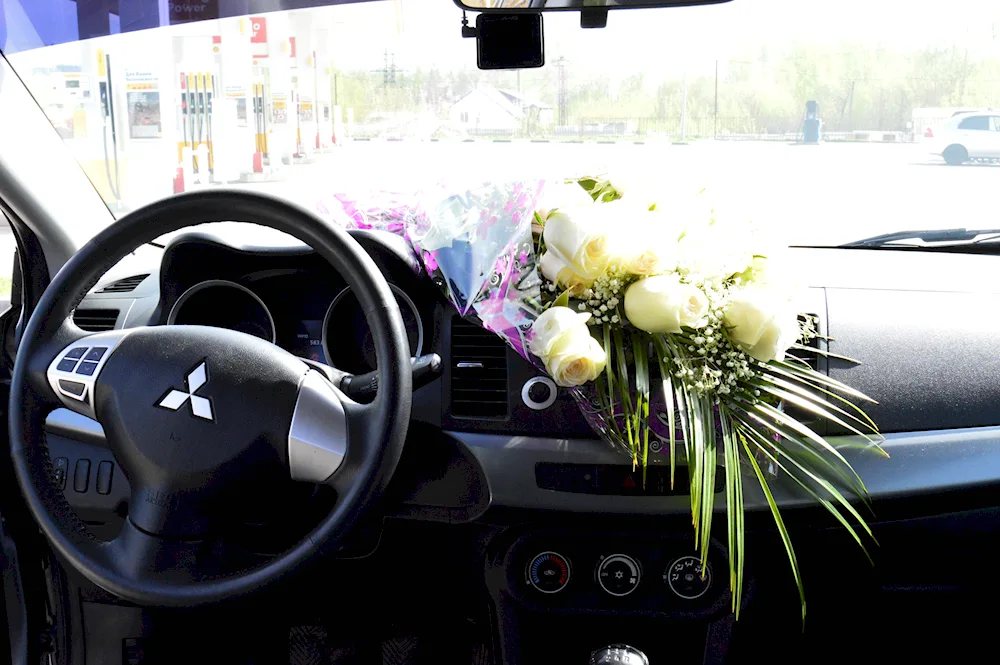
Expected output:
(125, 285)
(95, 320)
(478, 372)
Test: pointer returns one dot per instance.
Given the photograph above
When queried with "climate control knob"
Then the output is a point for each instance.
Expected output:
(684, 577)
(619, 574)
(548, 572)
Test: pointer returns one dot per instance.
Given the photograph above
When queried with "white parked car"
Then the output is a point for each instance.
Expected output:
(966, 136)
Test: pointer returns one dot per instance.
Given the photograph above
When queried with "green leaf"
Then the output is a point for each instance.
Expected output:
(810, 392)
(780, 523)
(668, 398)
(770, 448)
(812, 407)
(806, 432)
(734, 509)
(826, 503)
(813, 376)
(707, 463)
(562, 300)
(843, 472)
(820, 352)
(623, 391)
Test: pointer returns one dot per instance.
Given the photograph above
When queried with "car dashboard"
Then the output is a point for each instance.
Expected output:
(535, 449)
(493, 436)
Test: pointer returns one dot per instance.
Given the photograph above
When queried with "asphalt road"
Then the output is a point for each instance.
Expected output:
(825, 194)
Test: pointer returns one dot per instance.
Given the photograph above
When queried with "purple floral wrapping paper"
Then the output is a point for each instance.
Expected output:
(477, 246)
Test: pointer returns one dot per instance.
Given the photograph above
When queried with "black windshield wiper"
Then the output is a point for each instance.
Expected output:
(936, 235)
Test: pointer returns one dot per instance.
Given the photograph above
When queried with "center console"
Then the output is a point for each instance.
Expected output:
(562, 596)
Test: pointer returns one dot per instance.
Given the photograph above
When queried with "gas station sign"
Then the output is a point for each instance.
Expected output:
(258, 30)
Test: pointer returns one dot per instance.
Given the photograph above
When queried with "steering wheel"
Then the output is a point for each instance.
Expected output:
(198, 417)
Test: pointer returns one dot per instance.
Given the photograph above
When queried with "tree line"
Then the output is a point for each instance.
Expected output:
(857, 86)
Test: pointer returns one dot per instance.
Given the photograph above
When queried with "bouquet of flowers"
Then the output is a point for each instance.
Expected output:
(662, 320)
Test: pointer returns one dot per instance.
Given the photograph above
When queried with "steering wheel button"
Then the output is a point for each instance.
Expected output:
(86, 368)
(60, 466)
(76, 353)
(66, 365)
(74, 388)
(96, 353)
(104, 472)
(81, 475)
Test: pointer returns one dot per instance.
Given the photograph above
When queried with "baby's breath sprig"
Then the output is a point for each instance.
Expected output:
(715, 367)
(604, 300)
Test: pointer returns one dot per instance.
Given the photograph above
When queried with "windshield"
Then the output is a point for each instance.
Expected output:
(825, 124)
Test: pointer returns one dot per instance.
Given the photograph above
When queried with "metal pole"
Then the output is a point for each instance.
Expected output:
(684, 105)
(715, 131)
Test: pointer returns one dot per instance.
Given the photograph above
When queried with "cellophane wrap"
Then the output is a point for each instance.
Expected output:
(474, 242)
(477, 244)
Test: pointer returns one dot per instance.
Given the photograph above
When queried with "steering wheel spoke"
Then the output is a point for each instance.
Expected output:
(73, 372)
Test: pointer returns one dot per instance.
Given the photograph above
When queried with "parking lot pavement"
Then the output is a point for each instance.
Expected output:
(818, 194)
(824, 194)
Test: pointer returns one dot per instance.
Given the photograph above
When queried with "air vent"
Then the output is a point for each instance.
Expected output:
(478, 372)
(124, 285)
(96, 320)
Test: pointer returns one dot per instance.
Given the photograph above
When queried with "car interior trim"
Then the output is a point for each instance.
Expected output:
(208, 283)
(400, 295)
(317, 438)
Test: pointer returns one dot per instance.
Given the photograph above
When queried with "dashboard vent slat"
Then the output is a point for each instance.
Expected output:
(126, 285)
(478, 372)
(96, 320)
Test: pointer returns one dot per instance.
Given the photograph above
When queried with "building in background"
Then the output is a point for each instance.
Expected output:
(488, 110)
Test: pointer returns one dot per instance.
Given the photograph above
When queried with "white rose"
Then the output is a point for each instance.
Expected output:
(647, 244)
(559, 195)
(776, 270)
(580, 237)
(663, 304)
(559, 272)
(561, 338)
(763, 322)
(713, 254)
(641, 189)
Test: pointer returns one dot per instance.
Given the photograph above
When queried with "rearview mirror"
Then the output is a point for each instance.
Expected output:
(508, 6)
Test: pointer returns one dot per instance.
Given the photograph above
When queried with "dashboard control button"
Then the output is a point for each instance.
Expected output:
(619, 574)
(61, 467)
(66, 365)
(549, 572)
(684, 577)
(104, 472)
(96, 353)
(76, 353)
(539, 393)
(86, 368)
(81, 475)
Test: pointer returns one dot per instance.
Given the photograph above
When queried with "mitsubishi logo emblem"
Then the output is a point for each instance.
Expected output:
(201, 407)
